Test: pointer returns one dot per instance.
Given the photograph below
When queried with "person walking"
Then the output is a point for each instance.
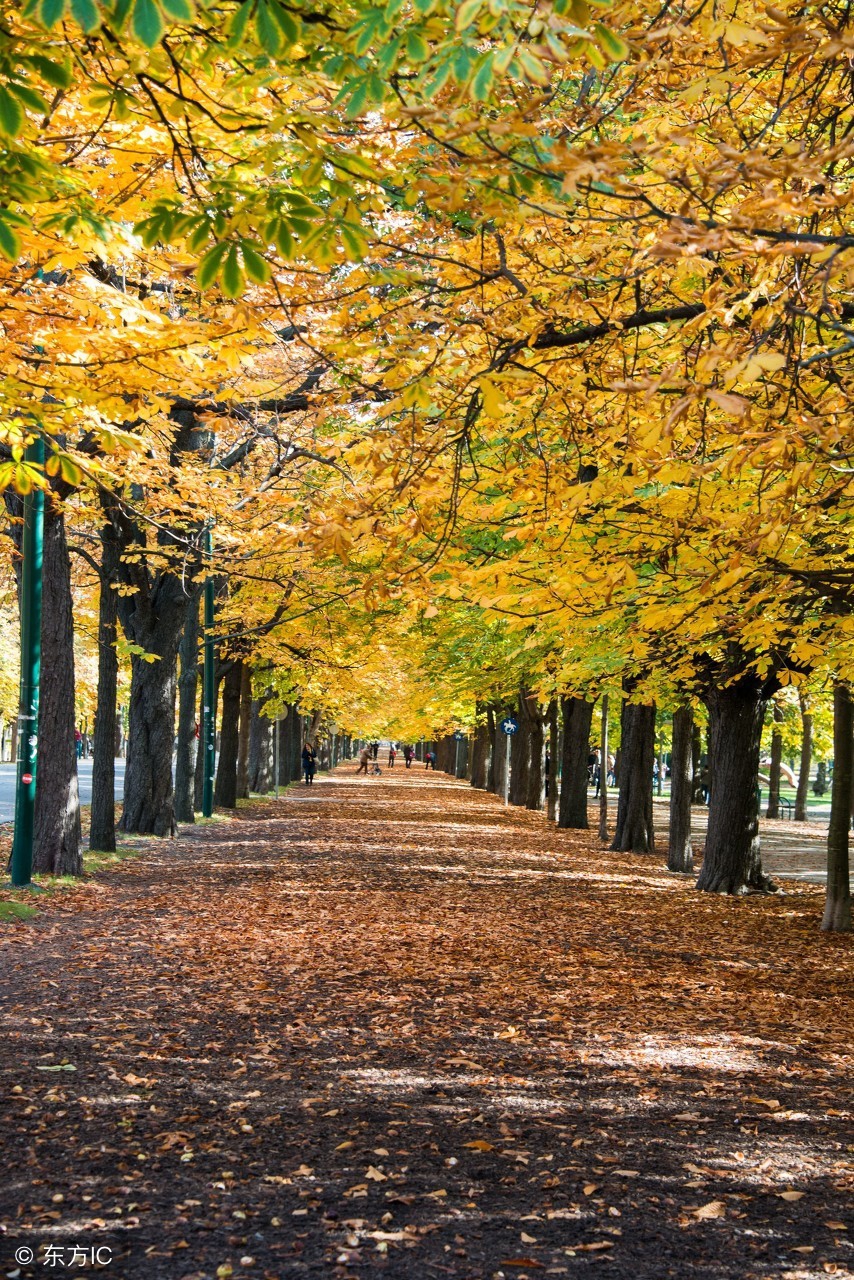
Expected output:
(309, 763)
(392, 755)
(78, 743)
(408, 753)
(364, 758)
(429, 762)
(375, 749)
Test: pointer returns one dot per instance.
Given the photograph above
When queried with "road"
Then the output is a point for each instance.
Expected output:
(8, 774)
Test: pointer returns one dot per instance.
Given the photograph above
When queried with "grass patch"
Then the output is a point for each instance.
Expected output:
(16, 911)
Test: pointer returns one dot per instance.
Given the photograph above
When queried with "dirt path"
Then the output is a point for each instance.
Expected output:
(386, 1027)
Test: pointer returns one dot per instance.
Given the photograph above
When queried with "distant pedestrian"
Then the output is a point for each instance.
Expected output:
(429, 760)
(309, 763)
(364, 758)
(78, 743)
(375, 749)
(408, 754)
(392, 755)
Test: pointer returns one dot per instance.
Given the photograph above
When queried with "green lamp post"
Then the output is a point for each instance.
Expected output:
(209, 690)
(32, 548)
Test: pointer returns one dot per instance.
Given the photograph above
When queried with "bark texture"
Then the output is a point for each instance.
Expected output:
(603, 770)
(260, 749)
(188, 743)
(225, 784)
(773, 810)
(480, 752)
(243, 737)
(680, 853)
(732, 862)
(806, 761)
(535, 788)
(634, 830)
(552, 789)
(520, 755)
(837, 906)
(102, 826)
(56, 848)
(577, 716)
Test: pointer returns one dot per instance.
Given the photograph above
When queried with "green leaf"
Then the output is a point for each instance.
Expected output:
(50, 12)
(180, 10)
(56, 73)
(69, 470)
(481, 85)
(284, 241)
(147, 23)
(256, 268)
(85, 14)
(358, 101)
(236, 26)
(11, 114)
(616, 49)
(355, 242)
(288, 24)
(417, 48)
(532, 66)
(208, 268)
(10, 243)
(466, 13)
(268, 31)
(232, 277)
(29, 98)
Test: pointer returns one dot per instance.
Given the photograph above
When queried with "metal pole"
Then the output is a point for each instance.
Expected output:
(208, 718)
(507, 769)
(32, 548)
(276, 755)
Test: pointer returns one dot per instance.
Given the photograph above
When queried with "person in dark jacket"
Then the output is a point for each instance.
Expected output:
(309, 763)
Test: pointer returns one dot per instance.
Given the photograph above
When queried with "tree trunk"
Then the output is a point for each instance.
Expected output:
(225, 787)
(492, 747)
(577, 718)
(837, 907)
(699, 796)
(260, 744)
(535, 789)
(480, 751)
(148, 796)
(56, 848)
(634, 832)
(773, 810)
(603, 771)
(520, 755)
(199, 772)
(680, 854)
(551, 788)
(732, 861)
(243, 738)
(499, 753)
(188, 741)
(806, 761)
(102, 826)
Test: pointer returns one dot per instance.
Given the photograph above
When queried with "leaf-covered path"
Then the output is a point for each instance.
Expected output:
(385, 1027)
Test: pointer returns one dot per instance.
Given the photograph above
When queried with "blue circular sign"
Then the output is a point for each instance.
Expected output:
(459, 735)
(509, 725)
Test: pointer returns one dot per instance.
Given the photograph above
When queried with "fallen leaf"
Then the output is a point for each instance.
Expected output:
(792, 1195)
(714, 1209)
(590, 1188)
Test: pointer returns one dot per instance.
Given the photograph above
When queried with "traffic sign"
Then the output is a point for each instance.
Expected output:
(459, 735)
(509, 725)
